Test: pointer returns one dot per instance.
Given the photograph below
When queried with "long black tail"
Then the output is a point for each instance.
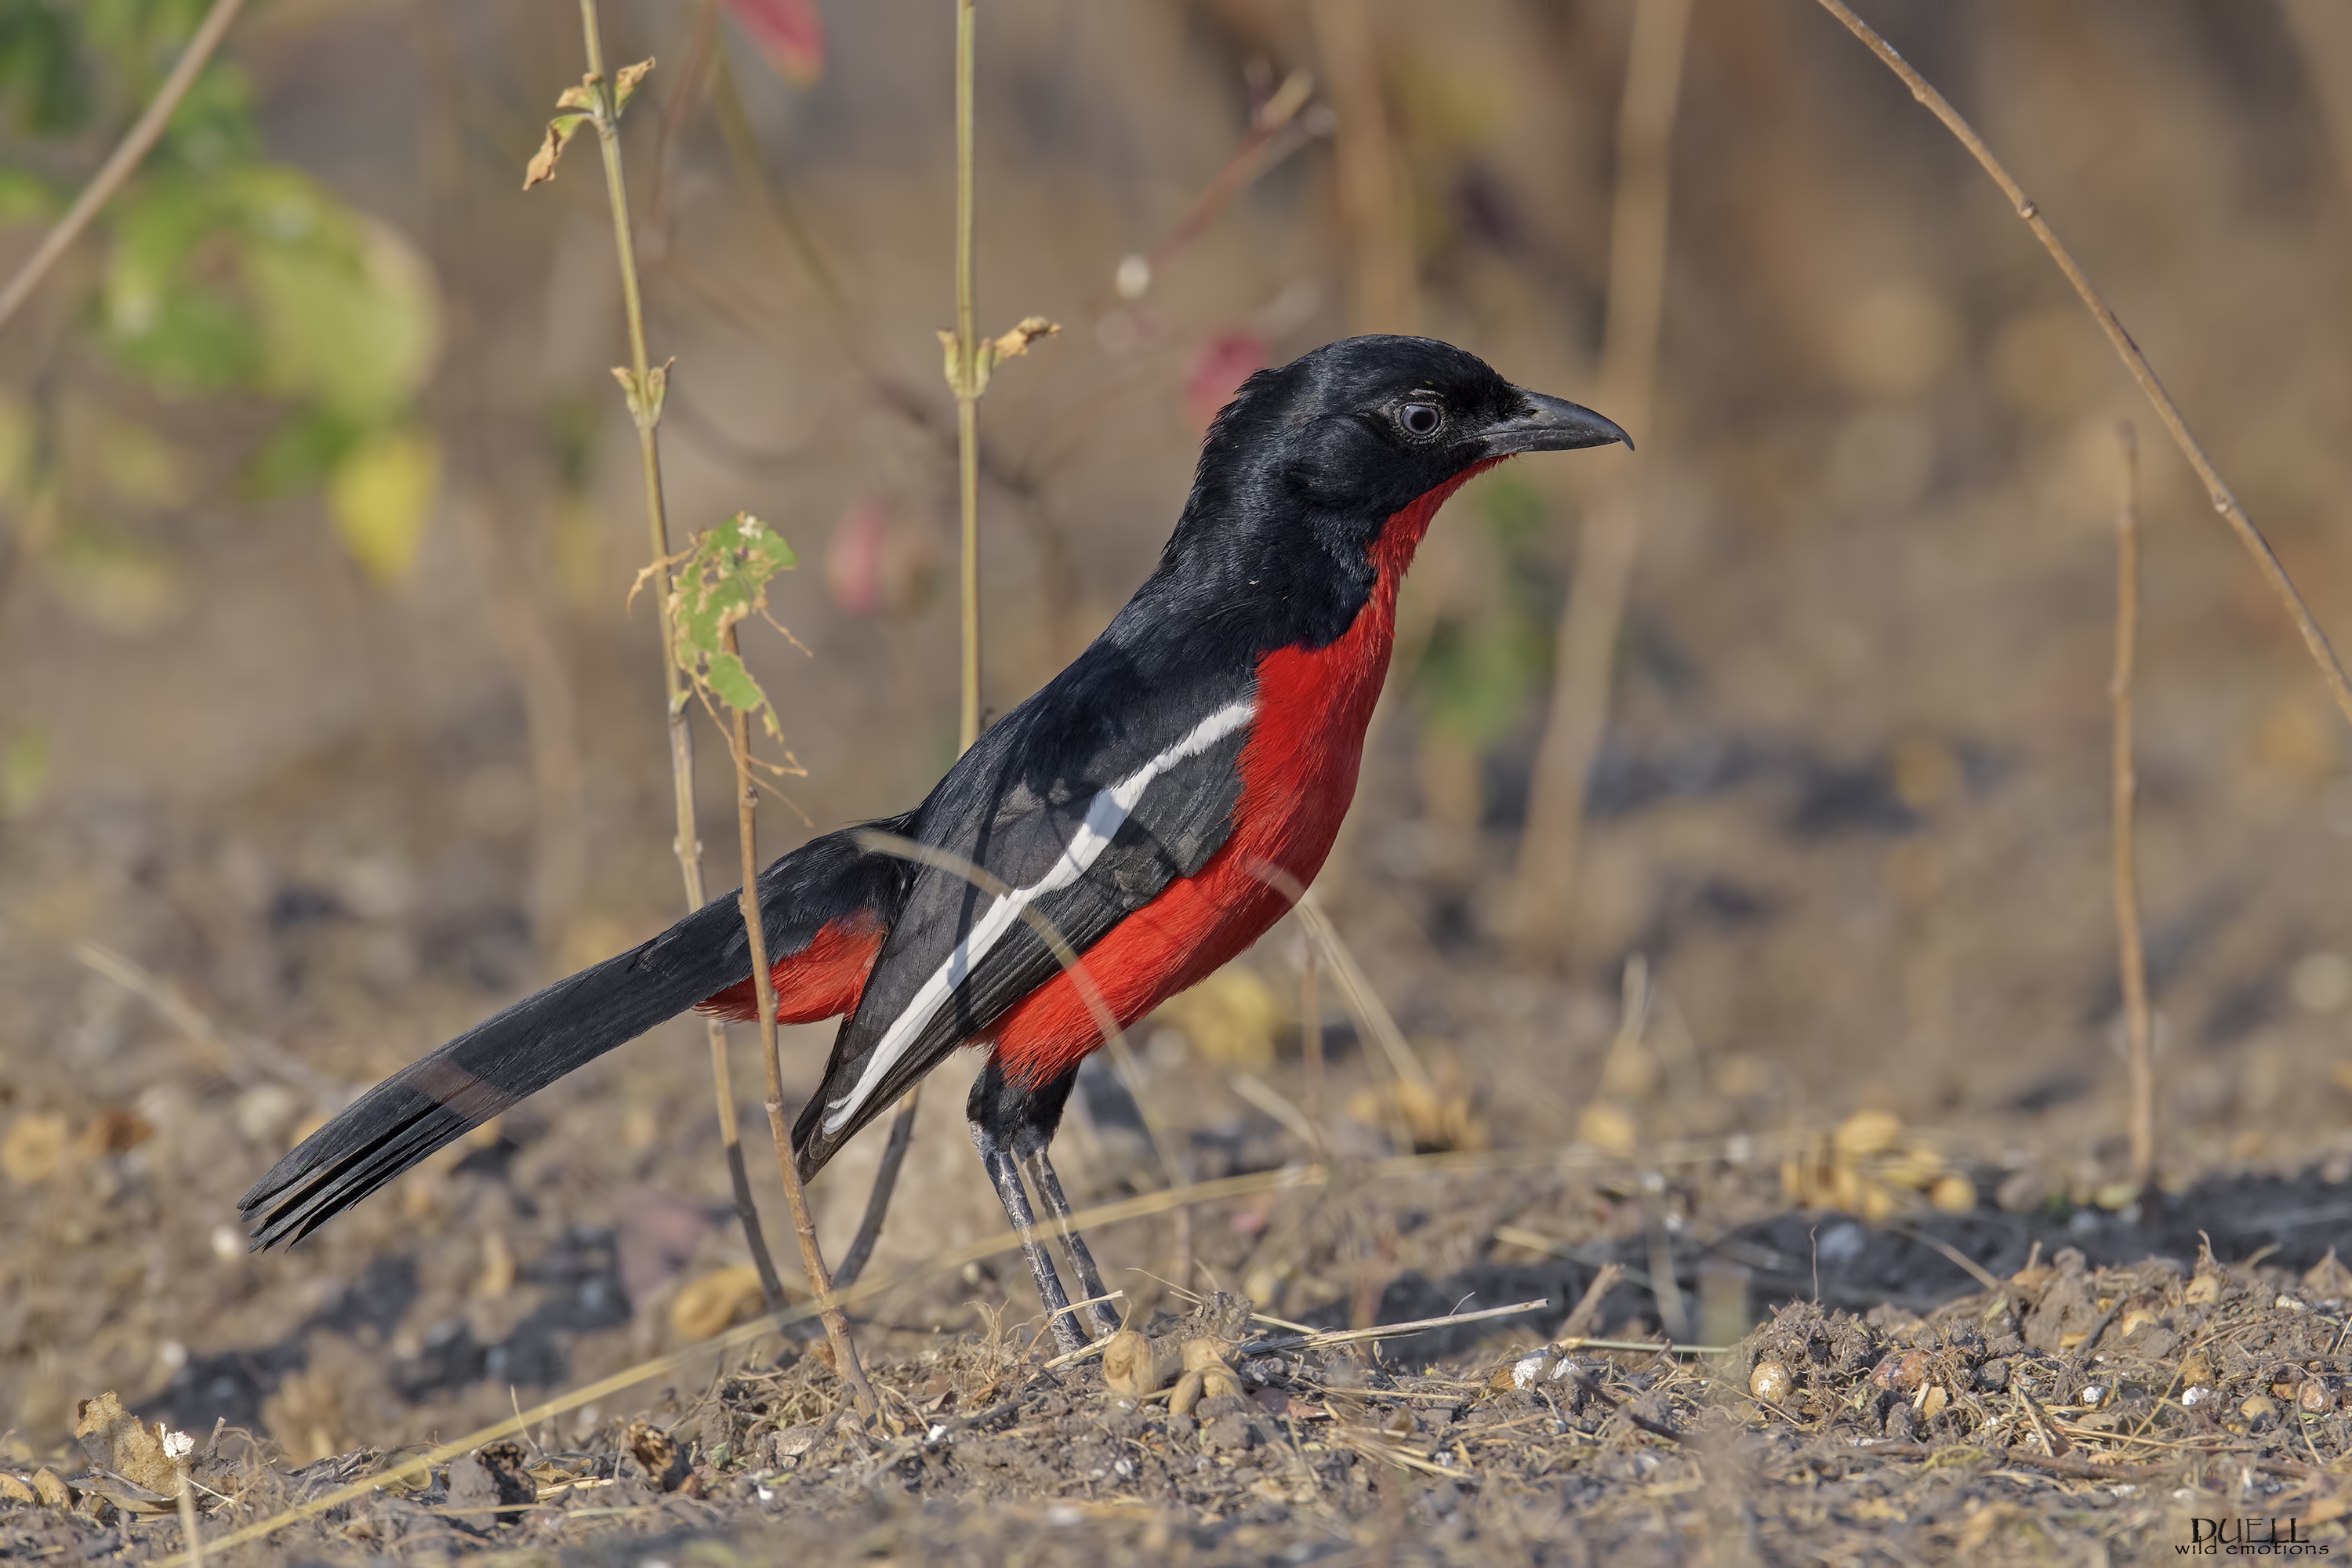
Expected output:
(441, 1097)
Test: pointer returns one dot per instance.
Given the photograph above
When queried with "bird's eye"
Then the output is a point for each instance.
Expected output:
(1419, 419)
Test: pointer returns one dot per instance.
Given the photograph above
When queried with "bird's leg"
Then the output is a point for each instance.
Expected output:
(1048, 1184)
(1005, 1173)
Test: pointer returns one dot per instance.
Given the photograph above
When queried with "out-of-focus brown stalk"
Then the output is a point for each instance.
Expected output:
(2323, 29)
(2331, 669)
(747, 827)
(136, 144)
(1543, 896)
(2132, 951)
(644, 410)
(1310, 1028)
(1383, 289)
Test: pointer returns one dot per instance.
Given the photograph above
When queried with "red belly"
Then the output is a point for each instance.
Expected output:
(1299, 774)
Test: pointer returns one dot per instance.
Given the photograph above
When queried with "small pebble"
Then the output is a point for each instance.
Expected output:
(2259, 1407)
(2315, 1398)
(1770, 1382)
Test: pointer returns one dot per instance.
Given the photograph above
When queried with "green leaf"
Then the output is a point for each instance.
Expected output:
(734, 685)
(44, 81)
(347, 309)
(380, 495)
(298, 454)
(722, 581)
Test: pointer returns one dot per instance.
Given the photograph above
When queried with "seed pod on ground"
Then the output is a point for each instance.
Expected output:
(1203, 1352)
(1953, 1192)
(1904, 1373)
(1134, 1364)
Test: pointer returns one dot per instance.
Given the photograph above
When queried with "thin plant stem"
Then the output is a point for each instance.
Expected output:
(644, 410)
(1543, 898)
(136, 144)
(191, 1538)
(836, 1324)
(2331, 669)
(2132, 951)
(968, 388)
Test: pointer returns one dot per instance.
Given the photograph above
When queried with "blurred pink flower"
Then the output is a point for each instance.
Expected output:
(791, 33)
(1219, 366)
(853, 561)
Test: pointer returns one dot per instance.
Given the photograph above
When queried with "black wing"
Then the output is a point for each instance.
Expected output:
(1086, 803)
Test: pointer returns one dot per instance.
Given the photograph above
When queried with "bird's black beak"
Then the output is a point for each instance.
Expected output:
(1550, 424)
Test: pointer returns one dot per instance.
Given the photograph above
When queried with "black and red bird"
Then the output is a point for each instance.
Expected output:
(1151, 803)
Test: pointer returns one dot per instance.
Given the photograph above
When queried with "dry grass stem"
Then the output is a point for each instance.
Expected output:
(2225, 501)
(1543, 898)
(837, 1325)
(1388, 1331)
(643, 384)
(2132, 951)
(136, 144)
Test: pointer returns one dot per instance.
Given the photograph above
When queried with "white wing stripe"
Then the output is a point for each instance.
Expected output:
(1106, 815)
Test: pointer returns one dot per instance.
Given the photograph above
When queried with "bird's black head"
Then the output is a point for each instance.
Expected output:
(1311, 459)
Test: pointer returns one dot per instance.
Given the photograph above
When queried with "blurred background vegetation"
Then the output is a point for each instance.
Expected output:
(319, 697)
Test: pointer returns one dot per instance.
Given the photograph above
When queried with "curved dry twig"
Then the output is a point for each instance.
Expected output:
(2331, 669)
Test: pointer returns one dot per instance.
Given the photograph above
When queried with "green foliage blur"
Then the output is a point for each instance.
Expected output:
(223, 274)
(1481, 675)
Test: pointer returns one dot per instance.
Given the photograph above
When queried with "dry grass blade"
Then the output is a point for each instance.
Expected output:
(136, 144)
(2132, 951)
(1389, 1330)
(201, 1031)
(1371, 1014)
(2331, 669)
(1960, 1260)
